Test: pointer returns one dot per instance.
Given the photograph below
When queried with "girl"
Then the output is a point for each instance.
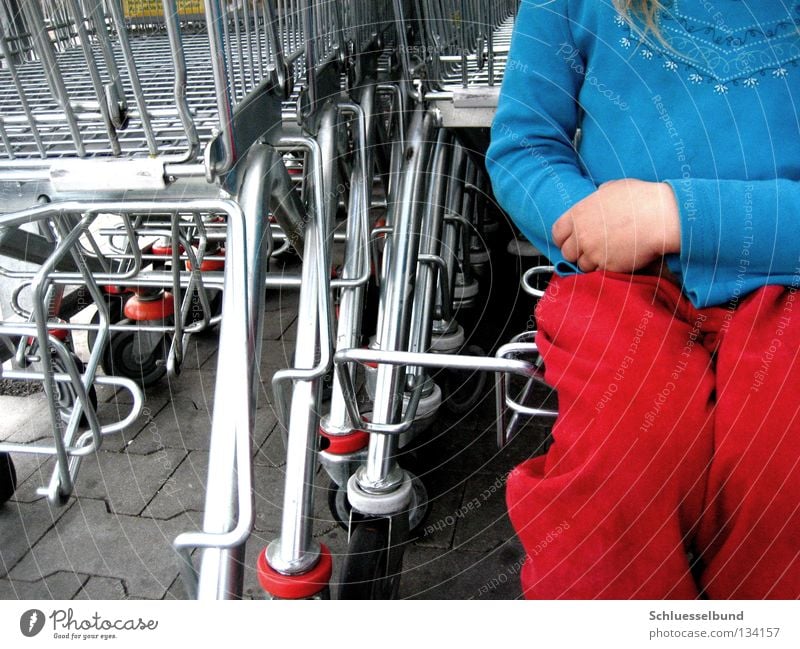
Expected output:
(671, 331)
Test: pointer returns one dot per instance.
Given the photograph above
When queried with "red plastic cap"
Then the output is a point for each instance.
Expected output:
(165, 250)
(58, 334)
(344, 444)
(301, 586)
(208, 265)
(140, 310)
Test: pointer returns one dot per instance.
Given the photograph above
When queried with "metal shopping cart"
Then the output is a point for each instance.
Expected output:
(434, 214)
(138, 138)
(146, 144)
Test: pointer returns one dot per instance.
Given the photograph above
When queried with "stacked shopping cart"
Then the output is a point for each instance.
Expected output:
(156, 154)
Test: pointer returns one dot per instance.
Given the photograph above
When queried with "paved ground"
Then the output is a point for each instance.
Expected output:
(113, 538)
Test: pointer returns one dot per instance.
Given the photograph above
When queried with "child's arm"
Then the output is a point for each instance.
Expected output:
(533, 165)
(736, 236)
(624, 226)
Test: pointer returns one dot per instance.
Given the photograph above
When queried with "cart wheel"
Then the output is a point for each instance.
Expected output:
(372, 565)
(196, 307)
(116, 304)
(137, 355)
(463, 389)
(339, 506)
(8, 478)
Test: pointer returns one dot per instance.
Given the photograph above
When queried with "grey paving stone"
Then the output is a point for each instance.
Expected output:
(102, 588)
(197, 385)
(481, 521)
(194, 384)
(26, 465)
(39, 469)
(434, 574)
(176, 590)
(200, 349)
(25, 419)
(60, 585)
(289, 332)
(275, 355)
(183, 491)
(277, 323)
(283, 299)
(445, 494)
(268, 487)
(90, 540)
(115, 411)
(273, 451)
(127, 482)
(181, 424)
(108, 393)
(464, 445)
(22, 525)
(255, 545)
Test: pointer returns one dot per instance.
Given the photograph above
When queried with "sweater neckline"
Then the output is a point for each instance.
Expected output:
(720, 51)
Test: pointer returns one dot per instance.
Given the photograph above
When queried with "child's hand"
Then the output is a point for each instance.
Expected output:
(622, 227)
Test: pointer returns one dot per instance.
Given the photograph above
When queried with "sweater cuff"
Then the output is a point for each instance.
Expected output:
(699, 238)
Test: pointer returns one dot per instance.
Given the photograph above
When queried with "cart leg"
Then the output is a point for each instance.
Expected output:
(221, 570)
(295, 566)
(381, 489)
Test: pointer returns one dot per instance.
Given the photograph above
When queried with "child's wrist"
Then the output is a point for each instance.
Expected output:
(671, 217)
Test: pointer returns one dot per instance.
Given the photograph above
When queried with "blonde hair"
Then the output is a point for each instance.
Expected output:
(646, 10)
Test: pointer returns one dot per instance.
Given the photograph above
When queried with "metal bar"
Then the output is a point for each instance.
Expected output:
(356, 266)
(179, 89)
(296, 551)
(133, 74)
(395, 306)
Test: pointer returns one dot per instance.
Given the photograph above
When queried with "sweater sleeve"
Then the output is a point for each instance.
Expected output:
(531, 160)
(736, 236)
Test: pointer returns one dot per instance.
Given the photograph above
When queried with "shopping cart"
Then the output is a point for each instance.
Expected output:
(425, 278)
(176, 121)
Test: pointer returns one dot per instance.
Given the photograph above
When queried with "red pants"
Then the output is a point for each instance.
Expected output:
(675, 467)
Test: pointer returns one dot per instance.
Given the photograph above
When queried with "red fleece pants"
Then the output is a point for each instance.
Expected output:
(677, 443)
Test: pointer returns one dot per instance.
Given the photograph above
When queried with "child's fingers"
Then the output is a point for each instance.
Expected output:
(562, 229)
(570, 249)
(587, 265)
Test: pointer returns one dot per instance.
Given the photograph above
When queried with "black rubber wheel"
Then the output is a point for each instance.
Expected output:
(462, 390)
(339, 506)
(196, 308)
(373, 563)
(115, 304)
(8, 478)
(137, 355)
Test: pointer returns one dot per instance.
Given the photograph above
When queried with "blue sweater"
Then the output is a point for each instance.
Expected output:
(714, 113)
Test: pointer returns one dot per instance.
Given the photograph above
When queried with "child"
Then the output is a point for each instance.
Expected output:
(670, 331)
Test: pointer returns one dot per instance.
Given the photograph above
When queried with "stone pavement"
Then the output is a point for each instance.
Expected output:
(113, 537)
